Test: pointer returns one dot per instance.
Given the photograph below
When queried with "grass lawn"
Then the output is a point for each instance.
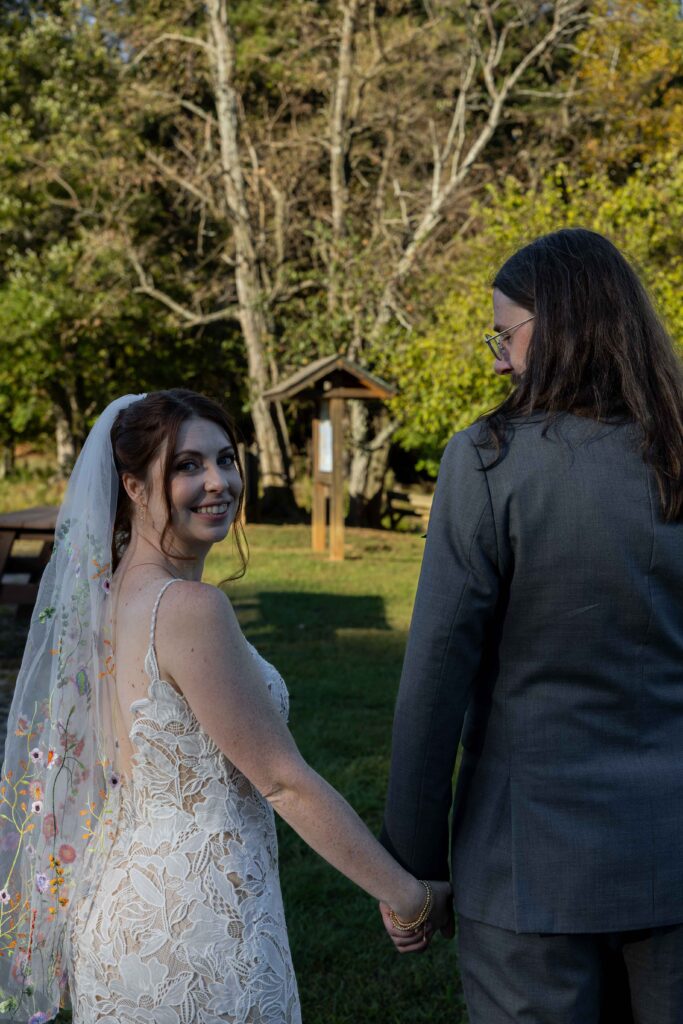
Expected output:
(337, 632)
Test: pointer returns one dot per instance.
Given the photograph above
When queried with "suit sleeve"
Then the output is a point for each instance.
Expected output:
(456, 598)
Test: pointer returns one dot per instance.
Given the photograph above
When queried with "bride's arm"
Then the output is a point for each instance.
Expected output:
(200, 644)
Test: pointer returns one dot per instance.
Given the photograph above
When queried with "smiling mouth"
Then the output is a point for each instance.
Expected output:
(212, 511)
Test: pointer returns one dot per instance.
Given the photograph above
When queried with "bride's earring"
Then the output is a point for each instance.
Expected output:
(140, 514)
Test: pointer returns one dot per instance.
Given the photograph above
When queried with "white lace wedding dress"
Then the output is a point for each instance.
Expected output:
(185, 923)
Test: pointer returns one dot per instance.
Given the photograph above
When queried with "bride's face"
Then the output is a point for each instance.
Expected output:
(205, 486)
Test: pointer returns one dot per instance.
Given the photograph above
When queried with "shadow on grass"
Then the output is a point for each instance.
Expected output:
(283, 615)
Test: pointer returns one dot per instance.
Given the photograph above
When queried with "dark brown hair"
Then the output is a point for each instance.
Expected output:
(597, 349)
(137, 436)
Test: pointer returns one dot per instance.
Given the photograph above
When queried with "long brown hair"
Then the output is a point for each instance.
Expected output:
(138, 433)
(597, 348)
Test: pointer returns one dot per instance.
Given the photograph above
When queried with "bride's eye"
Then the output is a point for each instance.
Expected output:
(186, 466)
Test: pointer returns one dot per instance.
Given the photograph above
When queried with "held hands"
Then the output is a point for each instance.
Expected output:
(441, 918)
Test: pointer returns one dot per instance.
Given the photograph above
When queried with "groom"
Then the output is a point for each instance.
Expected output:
(547, 639)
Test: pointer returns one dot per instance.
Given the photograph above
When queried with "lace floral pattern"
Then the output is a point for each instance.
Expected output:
(185, 924)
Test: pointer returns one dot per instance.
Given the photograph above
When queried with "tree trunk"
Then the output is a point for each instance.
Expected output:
(278, 497)
(66, 443)
(368, 465)
(339, 145)
(456, 158)
(371, 436)
(6, 461)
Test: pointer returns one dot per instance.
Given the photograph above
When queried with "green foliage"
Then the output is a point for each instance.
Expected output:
(74, 329)
(444, 371)
(630, 96)
(67, 333)
(108, 147)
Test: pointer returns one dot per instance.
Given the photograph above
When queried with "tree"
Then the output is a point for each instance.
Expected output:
(73, 332)
(497, 48)
(619, 135)
(629, 95)
(315, 153)
(444, 370)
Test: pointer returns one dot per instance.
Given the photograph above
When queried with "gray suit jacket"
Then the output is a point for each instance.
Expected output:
(547, 635)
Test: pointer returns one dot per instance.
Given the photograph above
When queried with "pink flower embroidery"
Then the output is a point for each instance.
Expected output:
(19, 968)
(49, 826)
(67, 853)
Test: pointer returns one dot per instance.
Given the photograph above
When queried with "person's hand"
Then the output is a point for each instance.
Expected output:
(441, 918)
(406, 942)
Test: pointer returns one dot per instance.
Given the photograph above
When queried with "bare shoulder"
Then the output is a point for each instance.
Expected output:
(195, 617)
(195, 597)
(192, 604)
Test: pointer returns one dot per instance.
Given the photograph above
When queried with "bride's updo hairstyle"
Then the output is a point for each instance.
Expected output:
(137, 436)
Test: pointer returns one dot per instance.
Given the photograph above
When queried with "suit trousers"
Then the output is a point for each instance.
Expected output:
(629, 977)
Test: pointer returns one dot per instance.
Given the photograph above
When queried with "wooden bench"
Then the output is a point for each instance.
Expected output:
(408, 503)
(31, 524)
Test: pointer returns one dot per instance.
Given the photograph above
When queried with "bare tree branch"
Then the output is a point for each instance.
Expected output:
(567, 14)
(380, 191)
(204, 196)
(189, 317)
(167, 37)
(339, 137)
(53, 175)
(184, 104)
(379, 440)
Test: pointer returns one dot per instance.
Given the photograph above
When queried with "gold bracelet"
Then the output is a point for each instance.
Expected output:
(410, 926)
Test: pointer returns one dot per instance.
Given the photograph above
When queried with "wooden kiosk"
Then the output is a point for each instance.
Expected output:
(329, 382)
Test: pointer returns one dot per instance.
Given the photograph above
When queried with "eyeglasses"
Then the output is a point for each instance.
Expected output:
(494, 344)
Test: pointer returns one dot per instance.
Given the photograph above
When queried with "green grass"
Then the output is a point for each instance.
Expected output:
(25, 490)
(337, 632)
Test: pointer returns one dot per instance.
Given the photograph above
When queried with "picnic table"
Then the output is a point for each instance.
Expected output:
(408, 503)
(30, 524)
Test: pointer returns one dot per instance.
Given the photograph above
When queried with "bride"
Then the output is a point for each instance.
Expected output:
(147, 748)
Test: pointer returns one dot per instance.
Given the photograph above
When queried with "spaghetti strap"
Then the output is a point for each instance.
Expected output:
(151, 664)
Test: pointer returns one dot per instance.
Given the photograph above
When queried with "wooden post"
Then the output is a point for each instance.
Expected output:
(337, 495)
(319, 503)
